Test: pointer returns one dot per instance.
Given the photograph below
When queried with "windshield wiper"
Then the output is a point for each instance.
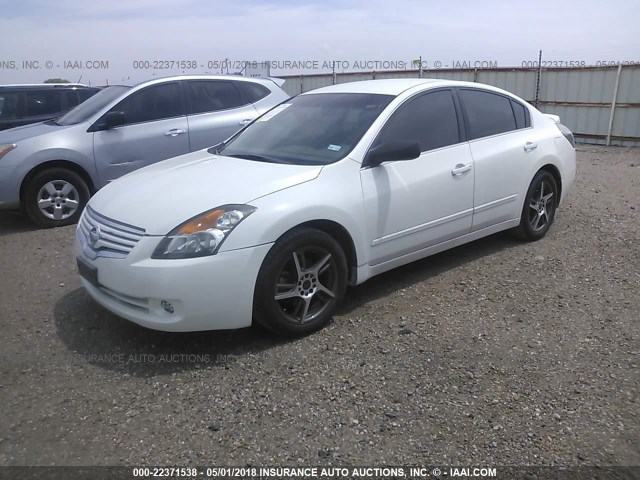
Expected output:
(215, 150)
(52, 122)
(258, 158)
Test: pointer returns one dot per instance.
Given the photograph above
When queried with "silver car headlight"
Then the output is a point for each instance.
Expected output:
(6, 148)
(203, 234)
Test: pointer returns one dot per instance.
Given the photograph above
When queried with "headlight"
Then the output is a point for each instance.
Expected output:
(6, 148)
(203, 234)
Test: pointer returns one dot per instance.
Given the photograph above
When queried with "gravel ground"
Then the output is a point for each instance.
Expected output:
(494, 353)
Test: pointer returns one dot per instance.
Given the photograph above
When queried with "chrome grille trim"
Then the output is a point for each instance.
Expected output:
(116, 240)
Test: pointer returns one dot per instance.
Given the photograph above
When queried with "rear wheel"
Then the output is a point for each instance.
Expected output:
(55, 197)
(539, 207)
(301, 283)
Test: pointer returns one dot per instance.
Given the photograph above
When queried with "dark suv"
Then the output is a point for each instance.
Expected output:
(24, 104)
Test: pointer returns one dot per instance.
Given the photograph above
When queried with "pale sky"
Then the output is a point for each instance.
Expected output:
(49, 33)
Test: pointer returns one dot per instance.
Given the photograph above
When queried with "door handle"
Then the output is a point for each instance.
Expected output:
(246, 121)
(460, 169)
(530, 146)
(174, 132)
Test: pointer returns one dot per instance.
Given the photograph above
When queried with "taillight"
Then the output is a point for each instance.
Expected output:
(567, 134)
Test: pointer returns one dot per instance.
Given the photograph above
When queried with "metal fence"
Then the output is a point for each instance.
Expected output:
(601, 105)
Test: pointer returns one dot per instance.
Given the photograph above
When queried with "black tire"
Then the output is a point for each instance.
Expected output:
(304, 288)
(539, 208)
(65, 199)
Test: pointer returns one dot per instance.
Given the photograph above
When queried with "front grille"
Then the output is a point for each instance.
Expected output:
(105, 235)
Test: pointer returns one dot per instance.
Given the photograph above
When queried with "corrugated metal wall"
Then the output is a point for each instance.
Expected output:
(582, 97)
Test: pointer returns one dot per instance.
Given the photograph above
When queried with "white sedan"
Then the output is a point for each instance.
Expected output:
(326, 190)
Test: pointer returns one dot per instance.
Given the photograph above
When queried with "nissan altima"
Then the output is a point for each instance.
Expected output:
(323, 191)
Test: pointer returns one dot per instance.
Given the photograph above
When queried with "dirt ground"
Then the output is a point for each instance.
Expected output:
(494, 353)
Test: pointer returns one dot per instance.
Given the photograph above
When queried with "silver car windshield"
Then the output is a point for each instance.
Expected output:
(315, 129)
(90, 107)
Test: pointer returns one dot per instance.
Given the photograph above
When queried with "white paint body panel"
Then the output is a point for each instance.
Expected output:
(403, 202)
(394, 213)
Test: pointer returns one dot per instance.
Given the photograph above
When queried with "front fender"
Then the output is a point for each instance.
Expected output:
(335, 195)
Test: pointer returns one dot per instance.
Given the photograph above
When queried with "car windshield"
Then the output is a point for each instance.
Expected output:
(90, 107)
(315, 129)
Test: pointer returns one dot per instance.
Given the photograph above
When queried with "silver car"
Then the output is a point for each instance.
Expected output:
(50, 169)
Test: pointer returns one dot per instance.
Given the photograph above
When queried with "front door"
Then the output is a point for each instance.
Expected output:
(414, 204)
(155, 129)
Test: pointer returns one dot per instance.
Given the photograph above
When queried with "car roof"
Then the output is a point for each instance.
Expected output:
(267, 81)
(45, 85)
(396, 86)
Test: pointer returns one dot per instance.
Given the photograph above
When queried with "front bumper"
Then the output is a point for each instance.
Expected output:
(208, 293)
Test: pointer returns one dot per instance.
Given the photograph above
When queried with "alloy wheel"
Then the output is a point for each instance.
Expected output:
(542, 206)
(58, 200)
(306, 284)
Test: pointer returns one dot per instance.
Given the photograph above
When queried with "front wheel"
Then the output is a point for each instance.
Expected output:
(301, 283)
(55, 197)
(539, 207)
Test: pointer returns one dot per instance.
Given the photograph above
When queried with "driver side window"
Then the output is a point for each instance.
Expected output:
(152, 103)
(429, 119)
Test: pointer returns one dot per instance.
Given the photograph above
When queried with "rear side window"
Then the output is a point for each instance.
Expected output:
(9, 105)
(430, 120)
(253, 92)
(521, 113)
(487, 113)
(212, 95)
(156, 102)
(43, 103)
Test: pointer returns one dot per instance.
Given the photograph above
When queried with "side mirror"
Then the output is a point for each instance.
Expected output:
(392, 152)
(111, 120)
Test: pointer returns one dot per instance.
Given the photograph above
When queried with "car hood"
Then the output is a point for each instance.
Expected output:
(17, 134)
(160, 197)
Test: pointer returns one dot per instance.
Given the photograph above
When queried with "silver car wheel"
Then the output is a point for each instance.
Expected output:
(58, 200)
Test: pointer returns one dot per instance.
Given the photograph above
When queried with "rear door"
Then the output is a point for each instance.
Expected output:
(503, 148)
(155, 129)
(217, 110)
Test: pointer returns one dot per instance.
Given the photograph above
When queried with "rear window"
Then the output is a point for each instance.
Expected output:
(253, 92)
(487, 113)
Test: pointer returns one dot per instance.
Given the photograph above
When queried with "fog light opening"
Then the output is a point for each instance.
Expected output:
(167, 307)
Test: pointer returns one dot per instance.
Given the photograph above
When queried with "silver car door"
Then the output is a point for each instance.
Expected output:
(155, 128)
(217, 110)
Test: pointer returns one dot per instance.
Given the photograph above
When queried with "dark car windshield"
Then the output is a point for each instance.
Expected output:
(315, 129)
(90, 107)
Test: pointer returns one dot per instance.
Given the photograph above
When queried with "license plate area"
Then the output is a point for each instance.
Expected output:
(88, 271)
